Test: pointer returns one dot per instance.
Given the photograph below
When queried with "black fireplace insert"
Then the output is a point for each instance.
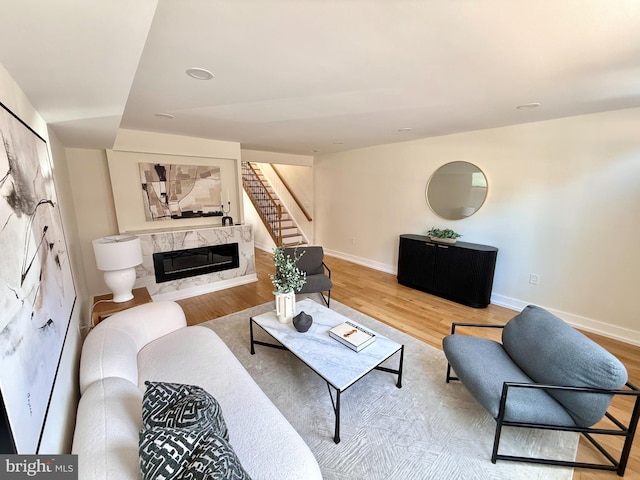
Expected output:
(195, 261)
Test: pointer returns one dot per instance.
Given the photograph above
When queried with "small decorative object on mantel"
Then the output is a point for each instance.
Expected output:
(444, 236)
(302, 322)
(287, 280)
(227, 218)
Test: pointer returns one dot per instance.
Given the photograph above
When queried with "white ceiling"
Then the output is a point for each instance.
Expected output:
(299, 76)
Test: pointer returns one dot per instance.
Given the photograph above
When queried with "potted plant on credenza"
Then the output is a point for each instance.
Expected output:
(443, 235)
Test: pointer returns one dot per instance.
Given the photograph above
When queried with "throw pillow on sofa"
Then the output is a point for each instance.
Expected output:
(182, 406)
(187, 453)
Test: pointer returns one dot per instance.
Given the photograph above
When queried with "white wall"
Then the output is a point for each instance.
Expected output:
(300, 180)
(563, 202)
(60, 420)
(94, 208)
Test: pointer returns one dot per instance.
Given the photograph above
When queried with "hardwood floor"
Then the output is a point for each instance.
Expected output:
(419, 314)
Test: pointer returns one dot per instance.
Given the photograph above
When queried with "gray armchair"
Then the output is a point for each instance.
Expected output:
(318, 274)
(545, 375)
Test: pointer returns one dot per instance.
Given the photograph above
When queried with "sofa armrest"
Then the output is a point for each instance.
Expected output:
(105, 439)
(111, 348)
(147, 322)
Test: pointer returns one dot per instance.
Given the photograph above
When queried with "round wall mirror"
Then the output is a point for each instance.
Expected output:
(456, 190)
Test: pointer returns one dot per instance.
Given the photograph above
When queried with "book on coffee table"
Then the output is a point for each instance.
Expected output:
(353, 336)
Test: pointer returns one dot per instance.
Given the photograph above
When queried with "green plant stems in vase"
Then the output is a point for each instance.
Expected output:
(287, 277)
(447, 235)
(287, 280)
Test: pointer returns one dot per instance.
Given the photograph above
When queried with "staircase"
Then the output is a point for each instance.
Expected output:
(272, 211)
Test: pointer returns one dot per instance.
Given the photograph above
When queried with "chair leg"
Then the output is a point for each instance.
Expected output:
(499, 420)
(327, 299)
(631, 431)
(496, 440)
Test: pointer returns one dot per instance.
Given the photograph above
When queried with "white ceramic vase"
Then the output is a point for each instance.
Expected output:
(443, 240)
(285, 306)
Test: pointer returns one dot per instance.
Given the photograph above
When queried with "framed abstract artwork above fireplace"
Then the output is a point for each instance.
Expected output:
(175, 191)
(154, 191)
(38, 294)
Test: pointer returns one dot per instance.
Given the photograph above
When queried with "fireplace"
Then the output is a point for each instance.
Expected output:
(190, 262)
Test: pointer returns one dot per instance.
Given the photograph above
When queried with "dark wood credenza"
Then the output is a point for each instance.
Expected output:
(462, 272)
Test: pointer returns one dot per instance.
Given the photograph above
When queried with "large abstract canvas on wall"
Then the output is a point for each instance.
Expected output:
(38, 294)
(174, 191)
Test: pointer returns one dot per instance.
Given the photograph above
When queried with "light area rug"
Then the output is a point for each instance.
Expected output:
(427, 429)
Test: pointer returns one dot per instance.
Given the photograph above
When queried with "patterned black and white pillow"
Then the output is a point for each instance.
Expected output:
(187, 454)
(182, 406)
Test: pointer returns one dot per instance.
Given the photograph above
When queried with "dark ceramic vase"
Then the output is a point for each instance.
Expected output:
(302, 322)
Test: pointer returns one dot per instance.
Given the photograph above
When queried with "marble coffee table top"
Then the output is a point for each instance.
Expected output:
(334, 362)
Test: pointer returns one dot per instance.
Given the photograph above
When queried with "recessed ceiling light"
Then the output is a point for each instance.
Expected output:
(528, 106)
(199, 73)
(404, 129)
(168, 116)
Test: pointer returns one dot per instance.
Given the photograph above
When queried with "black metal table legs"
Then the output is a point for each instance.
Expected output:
(257, 342)
(336, 403)
(336, 410)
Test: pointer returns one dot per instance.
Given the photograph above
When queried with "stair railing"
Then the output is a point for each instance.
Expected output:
(269, 210)
(292, 193)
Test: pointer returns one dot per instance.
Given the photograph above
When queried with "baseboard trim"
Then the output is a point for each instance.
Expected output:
(263, 247)
(620, 334)
(202, 289)
(382, 267)
(582, 323)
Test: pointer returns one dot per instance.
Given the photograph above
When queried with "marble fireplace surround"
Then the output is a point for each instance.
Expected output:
(169, 240)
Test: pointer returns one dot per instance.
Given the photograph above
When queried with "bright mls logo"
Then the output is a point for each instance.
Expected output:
(51, 467)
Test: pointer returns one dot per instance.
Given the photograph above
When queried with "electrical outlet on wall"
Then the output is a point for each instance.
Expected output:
(534, 279)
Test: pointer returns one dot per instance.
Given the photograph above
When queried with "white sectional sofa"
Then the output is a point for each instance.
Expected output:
(152, 342)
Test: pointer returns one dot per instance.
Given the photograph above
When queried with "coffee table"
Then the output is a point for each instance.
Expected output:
(336, 363)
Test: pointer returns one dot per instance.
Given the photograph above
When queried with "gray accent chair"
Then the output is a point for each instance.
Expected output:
(547, 375)
(318, 274)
